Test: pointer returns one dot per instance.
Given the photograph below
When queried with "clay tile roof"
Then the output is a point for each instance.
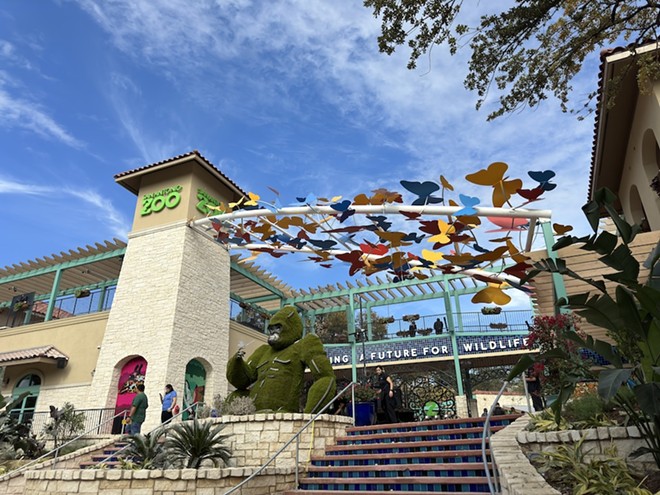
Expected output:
(600, 112)
(190, 154)
(46, 351)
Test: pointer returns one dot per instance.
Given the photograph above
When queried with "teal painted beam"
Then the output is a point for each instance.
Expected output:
(557, 278)
(370, 325)
(350, 320)
(454, 343)
(63, 266)
(53, 295)
(369, 288)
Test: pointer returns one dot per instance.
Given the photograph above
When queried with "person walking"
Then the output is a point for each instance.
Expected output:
(138, 411)
(386, 386)
(169, 403)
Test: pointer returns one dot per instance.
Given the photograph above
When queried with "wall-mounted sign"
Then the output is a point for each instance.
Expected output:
(204, 201)
(431, 348)
(170, 197)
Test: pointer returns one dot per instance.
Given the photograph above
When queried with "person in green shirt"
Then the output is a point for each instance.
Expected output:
(138, 411)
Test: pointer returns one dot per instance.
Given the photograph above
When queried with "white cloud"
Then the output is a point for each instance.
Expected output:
(102, 209)
(126, 99)
(20, 113)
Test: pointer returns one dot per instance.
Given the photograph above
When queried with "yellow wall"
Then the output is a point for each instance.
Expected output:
(177, 175)
(244, 337)
(78, 337)
(191, 177)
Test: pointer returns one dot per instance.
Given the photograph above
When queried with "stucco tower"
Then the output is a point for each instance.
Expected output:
(171, 306)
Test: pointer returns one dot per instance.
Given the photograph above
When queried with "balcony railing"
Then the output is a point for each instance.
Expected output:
(506, 321)
(65, 306)
(98, 417)
(247, 316)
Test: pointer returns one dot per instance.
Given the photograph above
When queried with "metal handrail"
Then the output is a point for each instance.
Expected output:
(295, 437)
(486, 436)
(57, 449)
(191, 408)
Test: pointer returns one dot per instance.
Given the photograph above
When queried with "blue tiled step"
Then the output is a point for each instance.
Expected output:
(446, 456)
(466, 484)
(350, 492)
(459, 469)
(401, 447)
(414, 436)
(443, 424)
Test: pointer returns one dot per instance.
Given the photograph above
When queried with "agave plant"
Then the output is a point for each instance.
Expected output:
(147, 451)
(190, 443)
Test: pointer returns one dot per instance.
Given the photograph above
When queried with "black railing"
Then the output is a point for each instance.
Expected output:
(248, 316)
(98, 417)
(514, 320)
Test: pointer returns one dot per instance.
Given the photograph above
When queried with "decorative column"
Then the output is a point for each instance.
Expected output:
(172, 299)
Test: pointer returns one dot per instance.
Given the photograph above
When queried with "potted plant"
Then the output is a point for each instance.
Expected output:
(365, 404)
(498, 326)
(81, 293)
(414, 317)
(491, 310)
(21, 306)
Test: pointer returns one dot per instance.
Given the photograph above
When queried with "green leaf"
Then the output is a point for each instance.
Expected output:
(649, 299)
(599, 310)
(592, 212)
(629, 312)
(520, 367)
(622, 260)
(648, 397)
(610, 381)
(626, 231)
(565, 393)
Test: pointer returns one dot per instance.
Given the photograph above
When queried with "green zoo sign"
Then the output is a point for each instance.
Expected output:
(170, 197)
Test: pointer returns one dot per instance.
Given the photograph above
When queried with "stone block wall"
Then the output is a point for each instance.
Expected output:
(158, 482)
(255, 438)
(171, 306)
(597, 441)
(517, 476)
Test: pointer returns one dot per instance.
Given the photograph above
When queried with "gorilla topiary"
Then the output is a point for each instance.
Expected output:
(275, 370)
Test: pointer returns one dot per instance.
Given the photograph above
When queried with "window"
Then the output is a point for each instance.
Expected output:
(24, 411)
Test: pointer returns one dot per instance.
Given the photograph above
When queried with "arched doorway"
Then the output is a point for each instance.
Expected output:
(194, 385)
(132, 374)
(30, 384)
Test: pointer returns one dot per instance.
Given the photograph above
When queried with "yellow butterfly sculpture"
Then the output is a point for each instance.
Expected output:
(494, 176)
(491, 294)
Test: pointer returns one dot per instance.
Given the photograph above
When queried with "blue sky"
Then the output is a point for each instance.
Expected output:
(290, 94)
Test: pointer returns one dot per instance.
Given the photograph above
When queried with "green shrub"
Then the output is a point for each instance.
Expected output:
(584, 408)
(238, 406)
(65, 424)
(190, 443)
(147, 451)
(567, 468)
(72, 447)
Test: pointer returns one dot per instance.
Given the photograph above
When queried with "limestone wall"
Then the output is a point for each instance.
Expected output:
(157, 482)
(255, 438)
(517, 476)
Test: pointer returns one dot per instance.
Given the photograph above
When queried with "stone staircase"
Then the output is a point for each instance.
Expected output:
(105, 455)
(442, 456)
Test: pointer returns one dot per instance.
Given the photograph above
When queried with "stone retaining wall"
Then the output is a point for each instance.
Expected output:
(253, 440)
(158, 482)
(256, 437)
(517, 476)
(596, 443)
